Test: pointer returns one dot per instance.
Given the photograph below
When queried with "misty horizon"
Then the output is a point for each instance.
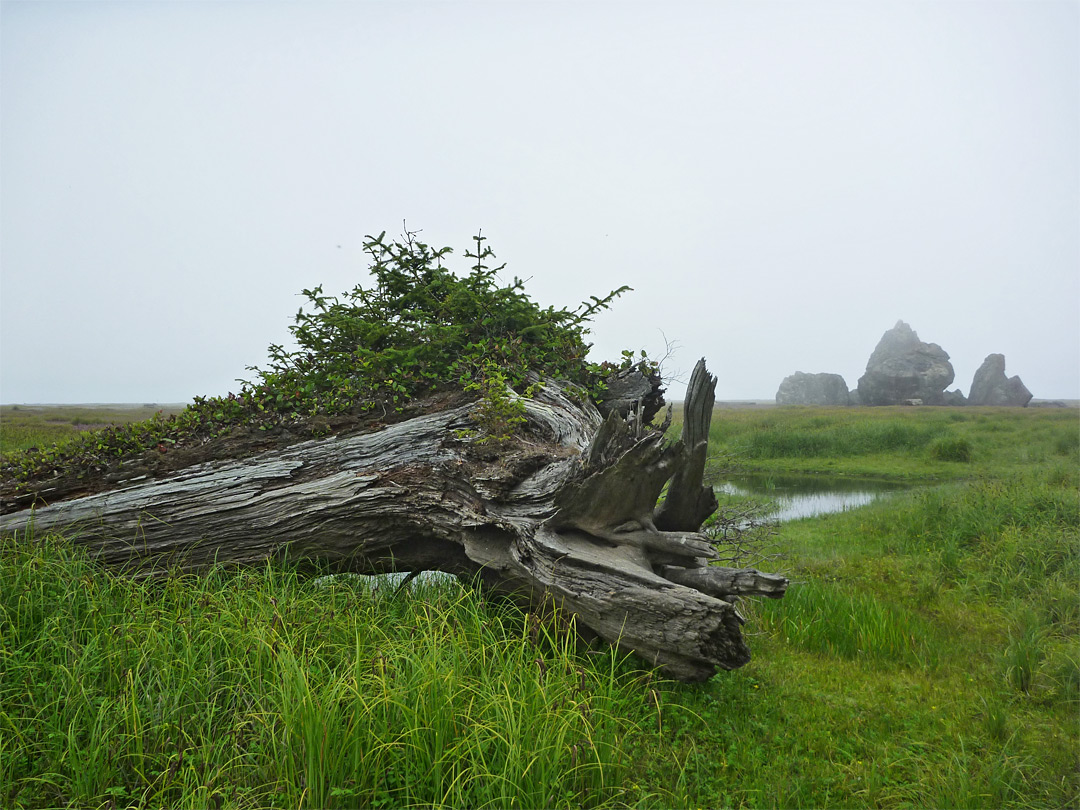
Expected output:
(779, 183)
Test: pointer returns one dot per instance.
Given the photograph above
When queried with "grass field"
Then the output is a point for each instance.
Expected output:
(26, 426)
(927, 654)
(895, 442)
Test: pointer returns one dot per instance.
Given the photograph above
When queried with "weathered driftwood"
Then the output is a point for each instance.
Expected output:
(565, 514)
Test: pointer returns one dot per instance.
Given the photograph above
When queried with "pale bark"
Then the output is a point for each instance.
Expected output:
(565, 514)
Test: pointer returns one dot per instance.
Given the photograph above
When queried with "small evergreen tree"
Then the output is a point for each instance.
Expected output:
(417, 328)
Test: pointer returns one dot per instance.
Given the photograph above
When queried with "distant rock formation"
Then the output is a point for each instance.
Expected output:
(955, 397)
(812, 389)
(991, 387)
(903, 368)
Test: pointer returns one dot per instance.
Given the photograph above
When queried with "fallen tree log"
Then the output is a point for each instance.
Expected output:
(565, 512)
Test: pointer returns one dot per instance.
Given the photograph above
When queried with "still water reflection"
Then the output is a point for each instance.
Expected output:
(808, 496)
(795, 497)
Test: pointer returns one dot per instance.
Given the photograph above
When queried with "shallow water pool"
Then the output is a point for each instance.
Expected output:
(808, 495)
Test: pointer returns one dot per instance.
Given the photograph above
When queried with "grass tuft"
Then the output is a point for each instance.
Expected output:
(947, 448)
(820, 617)
(262, 688)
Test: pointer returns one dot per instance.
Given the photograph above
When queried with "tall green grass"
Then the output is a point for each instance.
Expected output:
(926, 655)
(895, 442)
(822, 618)
(262, 689)
(1001, 538)
(835, 439)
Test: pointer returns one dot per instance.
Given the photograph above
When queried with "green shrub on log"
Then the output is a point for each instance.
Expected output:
(417, 328)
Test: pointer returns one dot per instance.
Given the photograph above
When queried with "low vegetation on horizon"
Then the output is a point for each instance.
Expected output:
(23, 427)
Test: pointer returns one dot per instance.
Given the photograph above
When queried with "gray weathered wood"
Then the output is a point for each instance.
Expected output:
(727, 582)
(689, 502)
(563, 514)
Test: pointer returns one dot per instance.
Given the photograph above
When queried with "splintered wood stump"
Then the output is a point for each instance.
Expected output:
(565, 514)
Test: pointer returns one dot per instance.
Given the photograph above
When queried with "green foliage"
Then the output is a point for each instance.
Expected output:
(25, 426)
(500, 410)
(897, 442)
(95, 451)
(265, 689)
(822, 438)
(948, 448)
(820, 617)
(1025, 651)
(416, 328)
(419, 327)
(17, 435)
(925, 654)
(1068, 445)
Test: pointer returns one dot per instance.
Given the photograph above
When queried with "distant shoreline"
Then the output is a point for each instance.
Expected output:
(172, 406)
(727, 404)
(733, 404)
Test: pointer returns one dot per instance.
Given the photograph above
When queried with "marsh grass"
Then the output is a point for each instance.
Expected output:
(900, 442)
(25, 426)
(948, 448)
(821, 617)
(263, 689)
(926, 655)
(1025, 651)
(825, 438)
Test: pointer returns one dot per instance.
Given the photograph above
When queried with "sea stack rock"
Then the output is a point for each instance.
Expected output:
(903, 369)
(991, 387)
(812, 389)
(955, 397)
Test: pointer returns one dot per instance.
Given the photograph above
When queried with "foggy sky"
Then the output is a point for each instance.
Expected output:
(779, 182)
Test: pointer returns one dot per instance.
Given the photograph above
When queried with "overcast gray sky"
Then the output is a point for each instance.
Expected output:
(779, 182)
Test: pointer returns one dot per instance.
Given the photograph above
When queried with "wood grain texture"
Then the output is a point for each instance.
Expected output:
(564, 514)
